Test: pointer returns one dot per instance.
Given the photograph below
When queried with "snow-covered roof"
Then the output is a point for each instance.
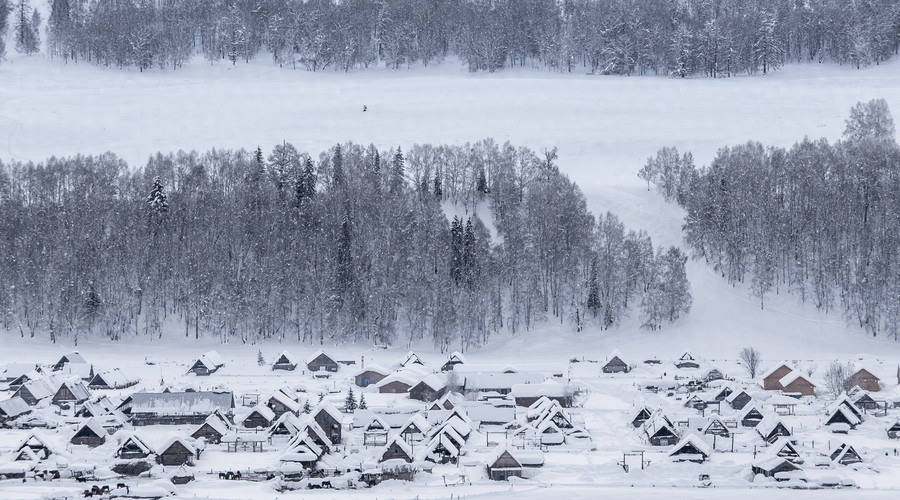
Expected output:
(398, 441)
(214, 357)
(768, 424)
(315, 355)
(735, 394)
(79, 391)
(80, 370)
(289, 357)
(114, 379)
(768, 373)
(263, 411)
(72, 357)
(171, 440)
(41, 388)
(419, 422)
(13, 407)
(408, 376)
(411, 358)
(180, 403)
(329, 409)
(792, 377)
(94, 426)
(374, 369)
(285, 400)
(491, 413)
(694, 440)
(125, 437)
(291, 422)
(433, 381)
(456, 357)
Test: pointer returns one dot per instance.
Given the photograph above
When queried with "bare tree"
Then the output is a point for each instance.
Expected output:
(750, 359)
(837, 377)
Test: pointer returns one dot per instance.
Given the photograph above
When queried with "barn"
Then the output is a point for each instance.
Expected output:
(176, 408)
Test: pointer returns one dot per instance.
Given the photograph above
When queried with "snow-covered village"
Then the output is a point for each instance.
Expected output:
(449, 249)
(310, 420)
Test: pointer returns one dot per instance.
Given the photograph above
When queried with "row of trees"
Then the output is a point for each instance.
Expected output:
(352, 246)
(818, 220)
(677, 37)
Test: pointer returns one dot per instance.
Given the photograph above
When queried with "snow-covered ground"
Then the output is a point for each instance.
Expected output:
(605, 128)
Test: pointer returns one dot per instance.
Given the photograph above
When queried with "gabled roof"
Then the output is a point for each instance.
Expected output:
(841, 415)
(844, 401)
(768, 425)
(316, 354)
(72, 357)
(377, 424)
(411, 358)
(172, 441)
(92, 426)
(692, 444)
(506, 381)
(114, 379)
(502, 451)
(793, 377)
(285, 400)
(13, 407)
(330, 410)
(374, 369)
(214, 357)
(135, 440)
(456, 358)
(301, 449)
(845, 454)
(79, 391)
(216, 424)
(290, 422)
(40, 388)
(263, 411)
(768, 373)
(417, 421)
(287, 357)
(735, 394)
(398, 442)
(550, 388)
(434, 382)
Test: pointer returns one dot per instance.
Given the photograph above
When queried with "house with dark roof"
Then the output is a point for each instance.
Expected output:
(285, 361)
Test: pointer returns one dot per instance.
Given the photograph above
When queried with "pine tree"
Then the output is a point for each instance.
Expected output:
(362, 402)
(157, 202)
(350, 402)
(337, 166)
(26, 36)
(260, 360)
(307, 408)
(438, 189)
(398, 172)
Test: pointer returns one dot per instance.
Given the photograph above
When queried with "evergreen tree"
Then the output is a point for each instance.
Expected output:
(350, 402)
(26, 36)
(260, 360)
(157, 202)
(337, 166)
(362, 401)
(5, 9)
(307, 408)
(398, 172)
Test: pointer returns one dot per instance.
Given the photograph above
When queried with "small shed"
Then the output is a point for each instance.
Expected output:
(771, 428)
(687, 360)
(280, 403)
(37, 389)
(839, 414)
(716, 427)
(411, 359)
(177, 451)
(32, 447)
(750, 416)
(784, 448)
(691, 448)
(893, 431)
(502, 464)
(641, 416)
(863, 400)
(319, 361)
(658, 431)
(738, 399)
(91, 433)
(285, 361)
(415, 427)
(112, 379)
(773, 466)
(845, 455)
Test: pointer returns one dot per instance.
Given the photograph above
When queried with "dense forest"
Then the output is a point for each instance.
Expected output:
(819, 220)
(447, 243)
(671, 37)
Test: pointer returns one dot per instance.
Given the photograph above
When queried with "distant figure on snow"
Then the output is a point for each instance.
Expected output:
(364, 108)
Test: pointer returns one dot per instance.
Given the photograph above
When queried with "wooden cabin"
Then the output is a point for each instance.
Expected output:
(13, 408)
(32, 447)
(207, 364)
(36, 390)
(91, 433)
(845, 455)
(285, 361)
(642, 415)
(795, 383)
(176, 451)
(71, 393)
(865, 380)
(893, 431)
(454, 359)
(321, 362)
(429, 388)
(687, 360)
(133, 448)
(691, 448)
(113, 379)
(281, 403)
(397, 449)
(771, 428)
(503, 465)
(259, 417)
(773, 466)
(738, 399)
(750, 416)
(616, 365)
(72, 357)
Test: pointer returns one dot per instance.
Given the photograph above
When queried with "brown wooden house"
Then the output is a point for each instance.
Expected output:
(177, 451)
(796, 383)
(259, 417)
(866, 380)
(428, 389)
(772, 377)
(72, 357)
(370, 375)
(615, 365)
(71, 393)
(285, 361)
